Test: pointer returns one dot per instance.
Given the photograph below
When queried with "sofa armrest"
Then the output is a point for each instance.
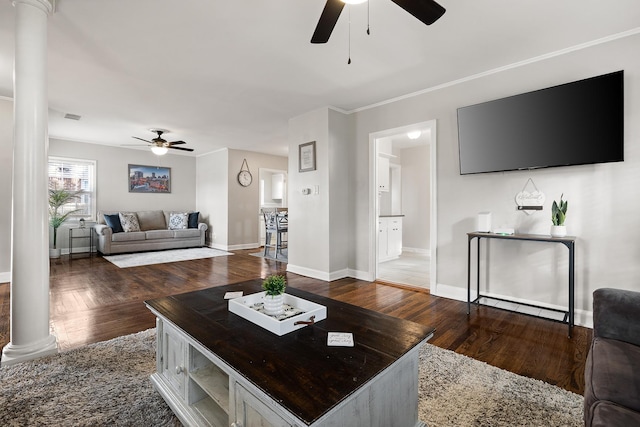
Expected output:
(202, 226)
(616, 315)
(102, 229)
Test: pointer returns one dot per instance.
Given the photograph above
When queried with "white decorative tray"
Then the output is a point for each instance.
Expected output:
(301, 313)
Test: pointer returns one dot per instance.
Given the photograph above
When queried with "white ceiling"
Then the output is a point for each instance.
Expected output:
(231, 73)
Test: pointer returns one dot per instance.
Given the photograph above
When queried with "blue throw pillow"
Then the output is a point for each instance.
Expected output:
(113, 221)
(193, 219)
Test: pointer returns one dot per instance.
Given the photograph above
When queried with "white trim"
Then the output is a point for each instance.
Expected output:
(539, 58)
(242, 246)
(420, 251)
(361, 275)
(320, 275)
(218, 246)
(373, 194)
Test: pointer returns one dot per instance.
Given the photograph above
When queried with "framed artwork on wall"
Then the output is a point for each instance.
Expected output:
(307, 157)
(149, 179)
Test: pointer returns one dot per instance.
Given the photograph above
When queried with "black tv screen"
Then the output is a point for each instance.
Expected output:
(571, 124)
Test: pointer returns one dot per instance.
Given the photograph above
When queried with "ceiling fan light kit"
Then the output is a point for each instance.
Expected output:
(160, 146)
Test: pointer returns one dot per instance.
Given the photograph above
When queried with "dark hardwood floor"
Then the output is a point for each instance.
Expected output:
(93, 300)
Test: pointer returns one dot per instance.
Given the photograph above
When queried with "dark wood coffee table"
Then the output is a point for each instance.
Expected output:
(215, 367)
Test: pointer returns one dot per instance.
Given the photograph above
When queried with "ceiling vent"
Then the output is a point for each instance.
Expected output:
(72, 116)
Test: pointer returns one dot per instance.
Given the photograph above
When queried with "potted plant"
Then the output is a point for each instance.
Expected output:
(274, 296)
(58, 197)
(558, 215)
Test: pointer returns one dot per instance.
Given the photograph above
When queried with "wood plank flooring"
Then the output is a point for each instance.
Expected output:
(92, 300)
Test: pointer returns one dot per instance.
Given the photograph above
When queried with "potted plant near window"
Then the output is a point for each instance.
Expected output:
(558, 215)
(274, 298)
(58, 197)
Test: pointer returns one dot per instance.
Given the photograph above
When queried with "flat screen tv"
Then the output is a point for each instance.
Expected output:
(571, 124)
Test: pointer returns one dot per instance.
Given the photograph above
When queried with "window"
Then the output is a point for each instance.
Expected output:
(75, 175)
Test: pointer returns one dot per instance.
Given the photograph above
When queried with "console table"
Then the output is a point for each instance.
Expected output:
(217, 368)
(568, 241)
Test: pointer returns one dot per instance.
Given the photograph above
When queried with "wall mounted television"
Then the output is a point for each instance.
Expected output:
(571, 124)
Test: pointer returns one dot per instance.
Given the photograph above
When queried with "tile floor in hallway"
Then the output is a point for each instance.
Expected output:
(409, 269)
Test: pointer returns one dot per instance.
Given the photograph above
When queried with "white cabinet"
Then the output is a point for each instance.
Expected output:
(383, 173)
(171, 363)
(389, 238)
(251, 411)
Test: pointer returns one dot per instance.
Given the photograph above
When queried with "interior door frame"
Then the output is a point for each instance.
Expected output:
(374, 201)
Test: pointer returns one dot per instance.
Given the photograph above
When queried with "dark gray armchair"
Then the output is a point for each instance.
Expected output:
(612, 371)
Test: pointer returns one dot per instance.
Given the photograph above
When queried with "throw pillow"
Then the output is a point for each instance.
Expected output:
(178, 221)
(113, 221)
(193, 219)
(129, 221)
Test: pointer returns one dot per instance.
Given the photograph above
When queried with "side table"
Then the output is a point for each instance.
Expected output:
(80, 233)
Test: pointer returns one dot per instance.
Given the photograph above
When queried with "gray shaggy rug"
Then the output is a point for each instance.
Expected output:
(108, 384)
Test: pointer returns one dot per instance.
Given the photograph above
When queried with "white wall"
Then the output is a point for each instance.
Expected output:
(6, 162)
(602, 198)
(212, 195)
(416, 207)
(244, 202)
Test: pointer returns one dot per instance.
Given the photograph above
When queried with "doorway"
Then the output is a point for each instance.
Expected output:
(273, 194)
(403, 208)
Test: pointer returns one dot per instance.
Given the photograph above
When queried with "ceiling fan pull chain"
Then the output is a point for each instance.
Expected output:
(368, 9)
(349, 8)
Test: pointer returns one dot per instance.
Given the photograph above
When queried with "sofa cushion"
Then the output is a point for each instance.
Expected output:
(129, 221)
(612, 374)
(159, 234)
(187, 232)
(151, 220)
(607, 414)
(128, 237)
(113, 221)
(193, 219)
(178, 221)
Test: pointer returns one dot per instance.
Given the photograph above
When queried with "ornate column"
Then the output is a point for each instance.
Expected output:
(30, 335)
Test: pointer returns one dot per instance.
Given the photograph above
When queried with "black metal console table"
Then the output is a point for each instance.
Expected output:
(568, 241)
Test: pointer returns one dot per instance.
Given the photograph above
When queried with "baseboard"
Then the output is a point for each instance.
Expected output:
(5, 276)
(580, 317)
(361, 275)
(218, 246)
(242, 246)
(420, 251)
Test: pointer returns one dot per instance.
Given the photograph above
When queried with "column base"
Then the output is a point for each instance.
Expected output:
(12, 354)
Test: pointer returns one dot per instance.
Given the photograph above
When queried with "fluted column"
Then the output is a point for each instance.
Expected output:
(30, 335)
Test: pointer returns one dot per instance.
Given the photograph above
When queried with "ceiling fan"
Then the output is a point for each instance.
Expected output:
(160, 146)
(427, 11)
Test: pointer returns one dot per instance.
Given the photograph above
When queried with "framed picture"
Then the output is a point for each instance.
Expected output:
(149, 179)
(307, 157)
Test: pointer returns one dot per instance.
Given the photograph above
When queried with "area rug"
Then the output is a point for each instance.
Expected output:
(161, 257)
(108, 384)
(282, 257)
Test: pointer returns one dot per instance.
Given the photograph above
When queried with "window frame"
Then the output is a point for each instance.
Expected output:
(90, 178)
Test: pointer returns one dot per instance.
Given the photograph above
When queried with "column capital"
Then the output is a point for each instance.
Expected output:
(46, 6)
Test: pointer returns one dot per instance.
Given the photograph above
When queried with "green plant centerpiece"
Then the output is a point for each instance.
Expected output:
(558, 216)
(58, 197)
(274, 287)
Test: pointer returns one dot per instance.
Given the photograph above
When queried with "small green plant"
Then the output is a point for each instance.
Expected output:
(559, 211)
(274, 285)
(58, 197)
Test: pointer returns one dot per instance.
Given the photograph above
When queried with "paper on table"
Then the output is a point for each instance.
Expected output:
(340, 339)
(232, 295)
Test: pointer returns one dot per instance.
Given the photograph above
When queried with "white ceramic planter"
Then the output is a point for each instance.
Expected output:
(54, 253)
(273, 305)
(558, 230)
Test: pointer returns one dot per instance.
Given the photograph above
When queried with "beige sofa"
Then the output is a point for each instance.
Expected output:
(154, 234)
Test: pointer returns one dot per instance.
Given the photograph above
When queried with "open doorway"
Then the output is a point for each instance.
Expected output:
(273, 194)
(404, 204)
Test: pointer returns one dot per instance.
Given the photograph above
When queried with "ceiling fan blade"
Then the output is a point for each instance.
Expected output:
(142, 139)
(427, 11)
(180, 148)
(176, 142)
(327, 21)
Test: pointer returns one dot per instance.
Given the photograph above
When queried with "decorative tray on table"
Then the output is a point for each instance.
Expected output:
(298, 313)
